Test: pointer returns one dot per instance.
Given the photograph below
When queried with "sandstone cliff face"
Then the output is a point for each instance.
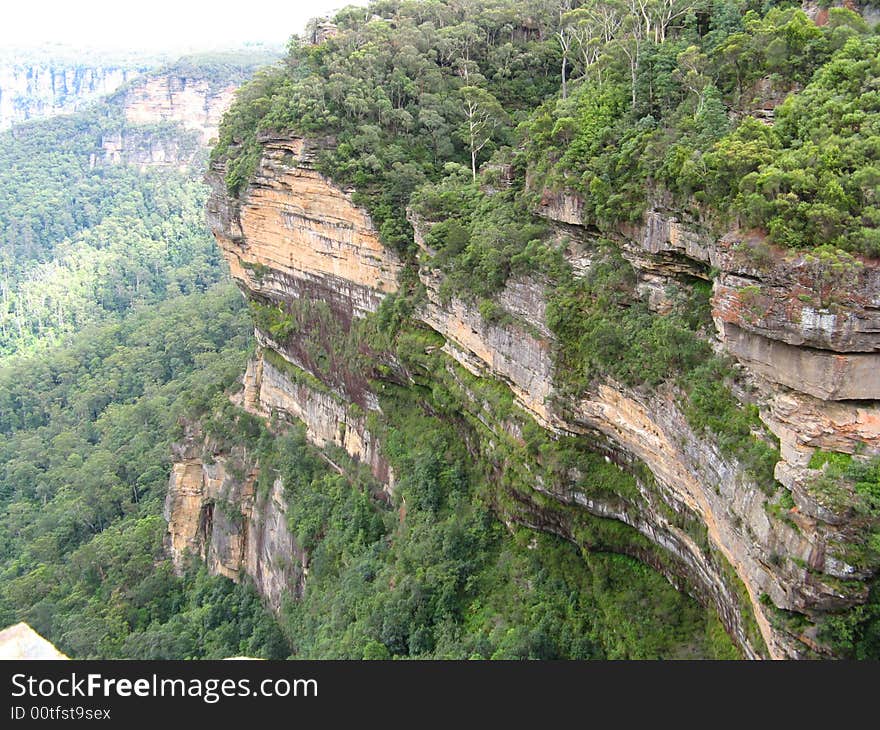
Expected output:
(327, 418)
(31, 91)
(691, 473)
(215, 512)
(295, 235)
(145, 148)
(195, 103)
(810, 322)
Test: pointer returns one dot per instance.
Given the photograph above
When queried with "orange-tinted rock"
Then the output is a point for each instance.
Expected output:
(216, 515)
(195, 103)
(294, 230)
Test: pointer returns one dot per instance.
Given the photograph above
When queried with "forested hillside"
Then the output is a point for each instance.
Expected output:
(84, 455)
(652, 195)
(624, 101)
(499, 256)
(83, 239)
(115, 326)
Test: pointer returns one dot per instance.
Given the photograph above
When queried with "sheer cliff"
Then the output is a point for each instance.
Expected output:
(191, 95)
(42, 88)
(295, 237)
(640, 374)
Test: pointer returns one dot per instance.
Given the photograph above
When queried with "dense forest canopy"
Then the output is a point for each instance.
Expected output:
(84, 458)
(83, 240)
(625, 101)
(222, 69)
(113, 327)
(463, 113)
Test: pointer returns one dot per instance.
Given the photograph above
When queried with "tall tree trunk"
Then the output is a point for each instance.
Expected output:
(564, 81)
(634, 69)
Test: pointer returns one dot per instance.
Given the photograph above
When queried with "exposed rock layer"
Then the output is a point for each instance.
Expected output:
(215, 512)
(36, 90)
(193, 102)
(294, 234)
(194, 105)
(327, 418)
(22, 642)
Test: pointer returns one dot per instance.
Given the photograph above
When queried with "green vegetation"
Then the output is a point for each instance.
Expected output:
(85, 437)
(851, 485)
(82, 243)
(685, 111)
(480, 240)
(813, 178)
(640, 115)
(604, 331)
(465, 116)
(658, 98)
(222, 69)
(443, 83)
(441, 577)
(113, 333)
(856, 633)
(809, 179)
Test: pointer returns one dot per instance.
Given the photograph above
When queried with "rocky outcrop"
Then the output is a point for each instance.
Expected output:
(826, 303)
(216, 512)
(691, 473)
(794, 561)
(563, 207)
(194, 102)
(22, 642)
(517, 353)
(145, 148)
(329, 420)
(293, 235)
(804, 423)
(169, 121)
(32, 90)
(821, 373)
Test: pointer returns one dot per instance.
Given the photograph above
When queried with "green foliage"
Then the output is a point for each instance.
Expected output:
(442, 578)
(856, 633)
(82, 243)
(813, 178)
(407, 111)
(389, 98)
(85, 436)
(480, 239)
(810, 179)
(589, 143)
(222, 69)
(273, 320)
(604, 331)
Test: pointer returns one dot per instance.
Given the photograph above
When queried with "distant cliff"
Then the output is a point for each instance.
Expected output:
(168, 119)
(31, 90)
(192, 94)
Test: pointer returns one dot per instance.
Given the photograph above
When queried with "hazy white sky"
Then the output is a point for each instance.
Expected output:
(157, 24)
